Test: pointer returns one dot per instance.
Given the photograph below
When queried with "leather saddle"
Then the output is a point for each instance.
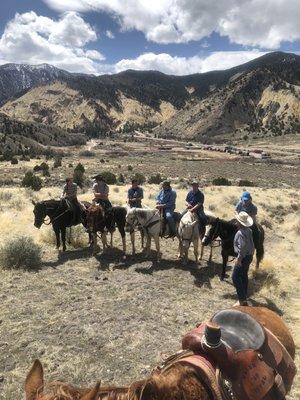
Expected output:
(249, 356)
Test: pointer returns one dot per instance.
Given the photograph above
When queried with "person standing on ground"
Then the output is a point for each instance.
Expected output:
(135, 195)
(244, 248)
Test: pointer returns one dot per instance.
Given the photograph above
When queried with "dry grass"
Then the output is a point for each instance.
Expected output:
(89, 318)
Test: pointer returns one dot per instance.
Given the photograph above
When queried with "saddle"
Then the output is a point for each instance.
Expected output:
(248, 355)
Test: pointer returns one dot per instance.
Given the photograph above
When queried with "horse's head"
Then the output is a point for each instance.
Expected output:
(187, 225)
(131, 220)
(40, 213)
(35, 389)
(95, 218)
(178, 382)
(211, 232)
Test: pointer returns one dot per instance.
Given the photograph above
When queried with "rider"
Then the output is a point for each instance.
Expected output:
(194, 202)
(165, 203)
(245, 204)
(135, 194)
(70, 195)
(101, 192)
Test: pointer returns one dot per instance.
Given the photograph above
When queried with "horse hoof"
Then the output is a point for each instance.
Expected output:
(222, 278)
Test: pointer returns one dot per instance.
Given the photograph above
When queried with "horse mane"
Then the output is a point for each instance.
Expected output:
(57, 390)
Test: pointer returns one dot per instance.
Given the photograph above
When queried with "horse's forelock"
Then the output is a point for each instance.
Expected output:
(60, 391)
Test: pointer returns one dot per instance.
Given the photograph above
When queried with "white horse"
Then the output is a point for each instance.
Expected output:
(189, 232)
(151, 222)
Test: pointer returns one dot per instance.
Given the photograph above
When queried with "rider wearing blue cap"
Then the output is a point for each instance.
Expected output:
(245, 204)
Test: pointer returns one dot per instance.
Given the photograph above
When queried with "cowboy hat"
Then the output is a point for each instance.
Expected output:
(244, 219)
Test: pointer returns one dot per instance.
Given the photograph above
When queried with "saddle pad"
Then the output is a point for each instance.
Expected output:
(239, 330)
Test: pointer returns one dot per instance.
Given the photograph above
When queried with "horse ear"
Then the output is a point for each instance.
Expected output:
(34, 381)
(33, 202)
(92, 394)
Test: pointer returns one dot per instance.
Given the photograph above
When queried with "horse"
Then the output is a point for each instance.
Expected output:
(36, 389)
(226, 230)
(152, 223)
(197, 374)
(60, 216)
(190, 230)
(100, 220)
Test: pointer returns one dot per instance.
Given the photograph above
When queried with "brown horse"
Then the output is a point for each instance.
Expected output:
(178, 379)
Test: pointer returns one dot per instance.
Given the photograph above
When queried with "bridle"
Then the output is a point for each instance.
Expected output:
(48, 220)
(213, 237)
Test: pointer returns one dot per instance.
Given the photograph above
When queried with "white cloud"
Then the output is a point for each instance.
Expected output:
(30, 38)
(187, 65)
(262, 23)
(109, 34)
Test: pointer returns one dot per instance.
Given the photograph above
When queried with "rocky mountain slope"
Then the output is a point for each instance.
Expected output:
(257, 98)
(17, 78)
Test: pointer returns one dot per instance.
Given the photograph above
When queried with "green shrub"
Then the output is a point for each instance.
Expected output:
(42, 167)
(25, 158)
(87, 153)
(129, 167)
(245, 182)
(78, 177)
(121, 178)
(155, 179)
(221, 182)
(14, 160)
(139, 177)
(80, 167)
(57, 163)
(109, 177)
(20, 252)
(32, 181)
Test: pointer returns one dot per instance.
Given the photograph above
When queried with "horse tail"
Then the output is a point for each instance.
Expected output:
(260, 250)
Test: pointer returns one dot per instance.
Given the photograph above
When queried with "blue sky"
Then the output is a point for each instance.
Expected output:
(173, 36)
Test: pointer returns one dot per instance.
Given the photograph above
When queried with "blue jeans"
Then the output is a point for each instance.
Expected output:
(170, 220)
(240, 277)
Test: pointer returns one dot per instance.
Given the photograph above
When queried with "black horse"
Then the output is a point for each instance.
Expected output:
(60, 215)
(226, 231)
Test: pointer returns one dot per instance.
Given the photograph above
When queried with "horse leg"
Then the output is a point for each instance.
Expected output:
(57, 236)
(148, 245)
(104, 240)
(202, 251)
(225, 260)
(94, 242)
(157, 246)
(63, 237)
(210, 253)
(196, 246)
(142, 237)
(132, 238)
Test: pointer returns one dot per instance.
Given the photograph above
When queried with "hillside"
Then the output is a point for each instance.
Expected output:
(258, 98)
(30, 138)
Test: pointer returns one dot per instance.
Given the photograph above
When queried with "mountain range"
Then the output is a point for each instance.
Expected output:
(259, 98)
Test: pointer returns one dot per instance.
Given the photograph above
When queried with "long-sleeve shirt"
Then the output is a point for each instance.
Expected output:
(135, 193)
(70, 191)
(250, 209)
(243, 242)
(194, 198)
(167, 197)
